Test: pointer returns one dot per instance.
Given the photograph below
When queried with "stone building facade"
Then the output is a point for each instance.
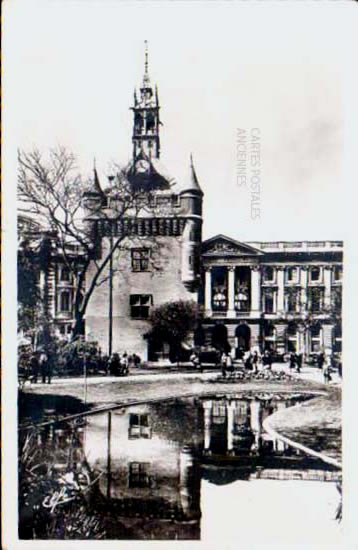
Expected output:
(159, 259)
(281, 296)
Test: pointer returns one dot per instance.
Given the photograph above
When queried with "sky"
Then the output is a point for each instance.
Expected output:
(276, 73)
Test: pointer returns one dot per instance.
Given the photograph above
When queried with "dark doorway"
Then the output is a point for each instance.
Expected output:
(243, 337)
(219, 338)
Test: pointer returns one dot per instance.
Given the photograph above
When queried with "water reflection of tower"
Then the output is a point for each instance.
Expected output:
(149, 471)
(189, 483)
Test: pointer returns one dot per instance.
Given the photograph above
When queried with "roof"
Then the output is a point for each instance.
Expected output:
(192, 183)
(223, 245)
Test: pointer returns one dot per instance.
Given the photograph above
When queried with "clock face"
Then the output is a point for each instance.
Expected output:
(142, 166)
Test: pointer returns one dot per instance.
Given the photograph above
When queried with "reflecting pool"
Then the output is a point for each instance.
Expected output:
(199, 468)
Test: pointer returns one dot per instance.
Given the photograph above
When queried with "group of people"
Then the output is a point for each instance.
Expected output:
(119, 365)
(253, 361)
(40, 364)
(329, 363)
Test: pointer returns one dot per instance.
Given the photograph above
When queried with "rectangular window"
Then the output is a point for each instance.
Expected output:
(315, 274)
(269, 300)
(140, 305)
(269, 274)
(65, 274)
(337, 273)
(316, 342)
(316, 299)
(139, 475)
(336, 299)
(139, 426)
(292, 301)
(65, 301)
(218, 413)
(140, 259)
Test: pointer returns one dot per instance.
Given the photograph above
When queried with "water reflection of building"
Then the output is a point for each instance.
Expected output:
(149, 468)
(154, 456)
(234, 426)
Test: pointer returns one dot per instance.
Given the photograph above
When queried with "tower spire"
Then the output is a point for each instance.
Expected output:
(146, 80)
(146, 116)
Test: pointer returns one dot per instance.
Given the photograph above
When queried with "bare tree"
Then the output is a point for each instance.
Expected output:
(51, 189)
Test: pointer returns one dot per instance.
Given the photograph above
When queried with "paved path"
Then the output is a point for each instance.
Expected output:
(308, 373)
(312, 374)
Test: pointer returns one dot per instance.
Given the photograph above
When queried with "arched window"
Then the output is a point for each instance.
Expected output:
(291, 274)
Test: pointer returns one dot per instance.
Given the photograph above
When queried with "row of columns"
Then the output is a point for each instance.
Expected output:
(256, 288)
(255, 423)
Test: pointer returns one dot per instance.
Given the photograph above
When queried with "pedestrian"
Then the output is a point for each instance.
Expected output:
(299, 360)
(267, 360)
(124, 364)
(255, 361)
(43, 366)
(229, 363)
(34, 367)
(293, 359)
(195, 359)
(326, 371)
(114, 364)
(320, 359)
(223, 364)
(248, 361)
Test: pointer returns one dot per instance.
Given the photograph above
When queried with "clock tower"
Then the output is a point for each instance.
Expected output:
(146, 119)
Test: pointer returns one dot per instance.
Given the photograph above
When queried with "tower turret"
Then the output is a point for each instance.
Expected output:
(191, 198)
(146, 117)
(93, 198)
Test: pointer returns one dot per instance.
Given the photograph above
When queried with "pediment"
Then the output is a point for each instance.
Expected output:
(224, 246)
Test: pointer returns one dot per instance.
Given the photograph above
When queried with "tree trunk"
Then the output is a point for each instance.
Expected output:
(78, 329)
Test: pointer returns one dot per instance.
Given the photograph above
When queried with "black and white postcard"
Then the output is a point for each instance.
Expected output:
(178, 269)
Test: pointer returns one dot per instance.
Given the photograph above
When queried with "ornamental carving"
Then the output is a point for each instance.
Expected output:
(223, 247)
(226, 248)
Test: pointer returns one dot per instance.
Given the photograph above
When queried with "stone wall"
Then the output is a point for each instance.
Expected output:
(163, 281)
